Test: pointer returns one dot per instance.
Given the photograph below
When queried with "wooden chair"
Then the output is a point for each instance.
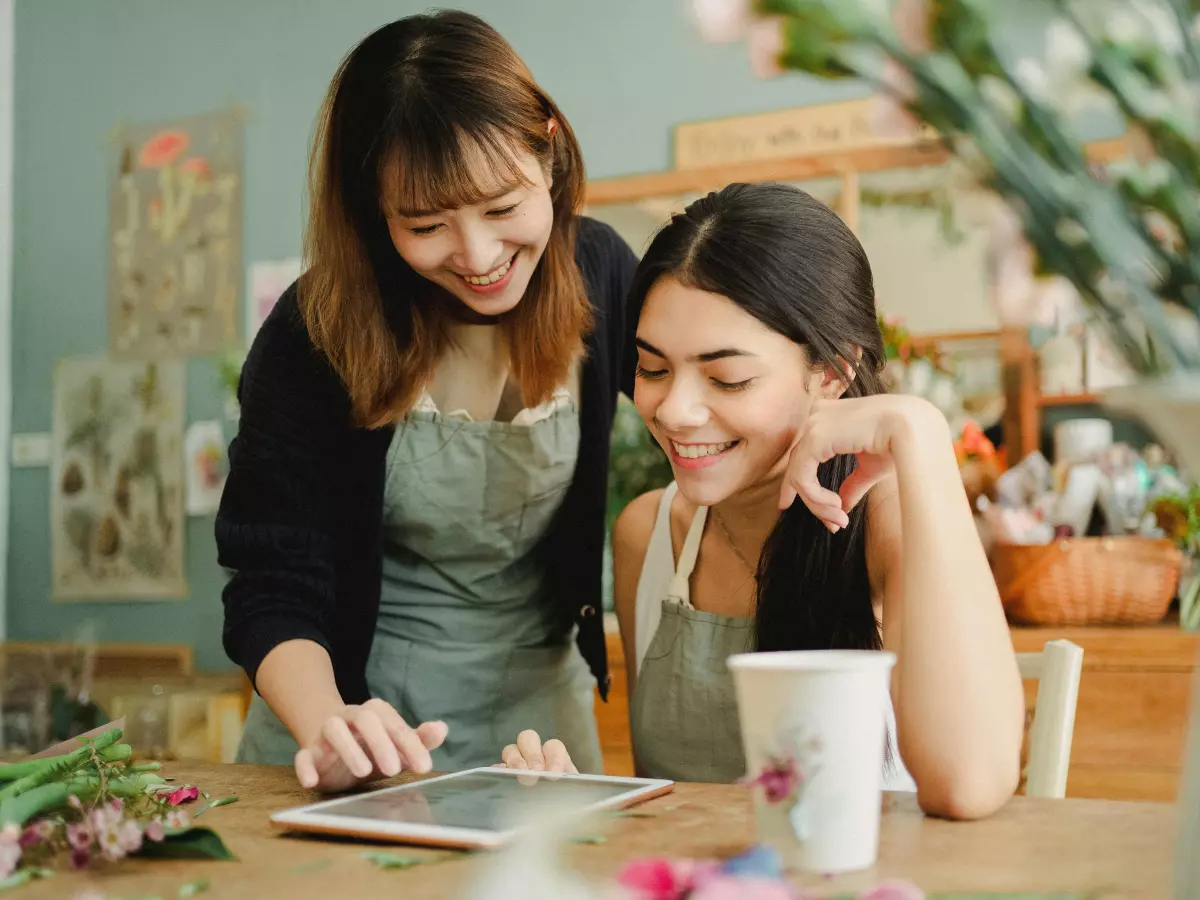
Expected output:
(1057, 669)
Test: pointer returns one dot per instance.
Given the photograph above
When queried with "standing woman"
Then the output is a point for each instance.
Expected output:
(415, 508)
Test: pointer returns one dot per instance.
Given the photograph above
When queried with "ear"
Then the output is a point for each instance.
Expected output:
(835, 383)
(552, 127)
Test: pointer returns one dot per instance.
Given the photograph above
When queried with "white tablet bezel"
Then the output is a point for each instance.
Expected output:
(310, 817)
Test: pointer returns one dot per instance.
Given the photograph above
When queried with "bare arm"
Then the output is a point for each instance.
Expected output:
(957, 691)
(296, 679)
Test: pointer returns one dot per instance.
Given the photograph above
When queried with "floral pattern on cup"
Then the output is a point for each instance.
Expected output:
(790, 766)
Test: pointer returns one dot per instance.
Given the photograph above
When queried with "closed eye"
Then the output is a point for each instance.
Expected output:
(425, 229)
(503, 211)
(733, 385)
(650, 374)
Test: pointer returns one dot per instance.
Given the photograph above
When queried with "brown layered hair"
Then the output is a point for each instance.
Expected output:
(415, 107)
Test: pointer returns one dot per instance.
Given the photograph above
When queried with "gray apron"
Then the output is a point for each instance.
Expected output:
(684, 715)
(466, 631)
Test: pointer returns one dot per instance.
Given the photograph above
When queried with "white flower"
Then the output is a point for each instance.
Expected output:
(1066, 48)
(1125, 27)
(10, 855)
(721, 21)
(110, 842)
(1032, 78)
(1161, 25)
(1001, 96)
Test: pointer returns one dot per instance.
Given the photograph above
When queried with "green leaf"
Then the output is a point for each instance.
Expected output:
(187, 843)
(590, 839)
(192, 888)
(24, 876)
(212, 804)
(386, 860)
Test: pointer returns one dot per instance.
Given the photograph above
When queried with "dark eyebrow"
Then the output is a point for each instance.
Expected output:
(422, 213)
(710, 356)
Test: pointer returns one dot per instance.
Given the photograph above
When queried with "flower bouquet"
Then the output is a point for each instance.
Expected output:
(92, 805)
(1178, 515)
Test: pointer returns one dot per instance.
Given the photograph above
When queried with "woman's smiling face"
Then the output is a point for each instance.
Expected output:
(483, 254)
(722, 393)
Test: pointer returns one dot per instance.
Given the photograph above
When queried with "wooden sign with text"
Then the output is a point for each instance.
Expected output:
(827, 128)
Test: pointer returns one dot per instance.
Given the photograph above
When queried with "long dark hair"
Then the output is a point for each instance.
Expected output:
(421, 99)
(791, 262)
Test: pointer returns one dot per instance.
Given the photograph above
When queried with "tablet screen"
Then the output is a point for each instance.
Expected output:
(478, 800)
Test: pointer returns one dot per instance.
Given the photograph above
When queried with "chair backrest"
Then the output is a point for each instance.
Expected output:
(1187, 860)
(1057, 669)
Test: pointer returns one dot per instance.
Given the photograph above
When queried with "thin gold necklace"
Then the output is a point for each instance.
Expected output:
(729, 540)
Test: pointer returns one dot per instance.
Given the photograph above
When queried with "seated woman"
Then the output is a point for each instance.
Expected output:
(759, 374)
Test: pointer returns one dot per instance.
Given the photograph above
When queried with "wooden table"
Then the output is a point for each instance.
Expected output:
(1119, 849)
(1129, 727)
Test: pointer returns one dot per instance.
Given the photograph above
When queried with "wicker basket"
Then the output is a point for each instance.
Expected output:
(1088, 581)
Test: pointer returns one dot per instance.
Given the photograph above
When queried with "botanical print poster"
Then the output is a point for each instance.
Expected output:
(175, 238)
(116, 507)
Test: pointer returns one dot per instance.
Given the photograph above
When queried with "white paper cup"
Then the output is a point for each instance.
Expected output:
(813, 729)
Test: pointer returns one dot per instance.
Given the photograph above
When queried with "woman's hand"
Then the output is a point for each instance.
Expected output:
(530, 753)
(363, 742)
(868, 427)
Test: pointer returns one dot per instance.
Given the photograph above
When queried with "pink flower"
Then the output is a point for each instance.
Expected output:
(767, 45)
(130, 836)
(81, 857)
(10, 855)
(778, 779)
(1011, 261)
(664, 879)
(184, 794)
(110, 843)
(79, 835)
(910, 18)
(177, 818)
(894, 890)
(889, 117)
(155, 830)
(721, 21)
(727, 887)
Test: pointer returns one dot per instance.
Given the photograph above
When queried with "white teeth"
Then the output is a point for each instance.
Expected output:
(490, 277)
(696, 451)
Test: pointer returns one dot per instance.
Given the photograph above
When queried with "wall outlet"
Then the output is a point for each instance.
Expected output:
(31, 449)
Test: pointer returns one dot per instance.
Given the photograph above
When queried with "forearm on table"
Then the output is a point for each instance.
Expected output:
(960, 700)
(296, 679)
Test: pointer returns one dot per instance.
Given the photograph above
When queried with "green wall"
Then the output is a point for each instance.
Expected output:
(624, 72)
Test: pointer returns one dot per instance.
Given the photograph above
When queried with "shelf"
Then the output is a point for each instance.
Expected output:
(1068, 399)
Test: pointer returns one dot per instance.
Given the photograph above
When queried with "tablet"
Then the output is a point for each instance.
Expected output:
(474, 808)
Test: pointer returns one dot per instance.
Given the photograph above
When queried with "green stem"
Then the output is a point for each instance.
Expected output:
(17, 810)
(13, 771)
(59, 765)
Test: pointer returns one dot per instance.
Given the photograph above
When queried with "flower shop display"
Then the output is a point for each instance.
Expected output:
(1080, 542)
(94, 806)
